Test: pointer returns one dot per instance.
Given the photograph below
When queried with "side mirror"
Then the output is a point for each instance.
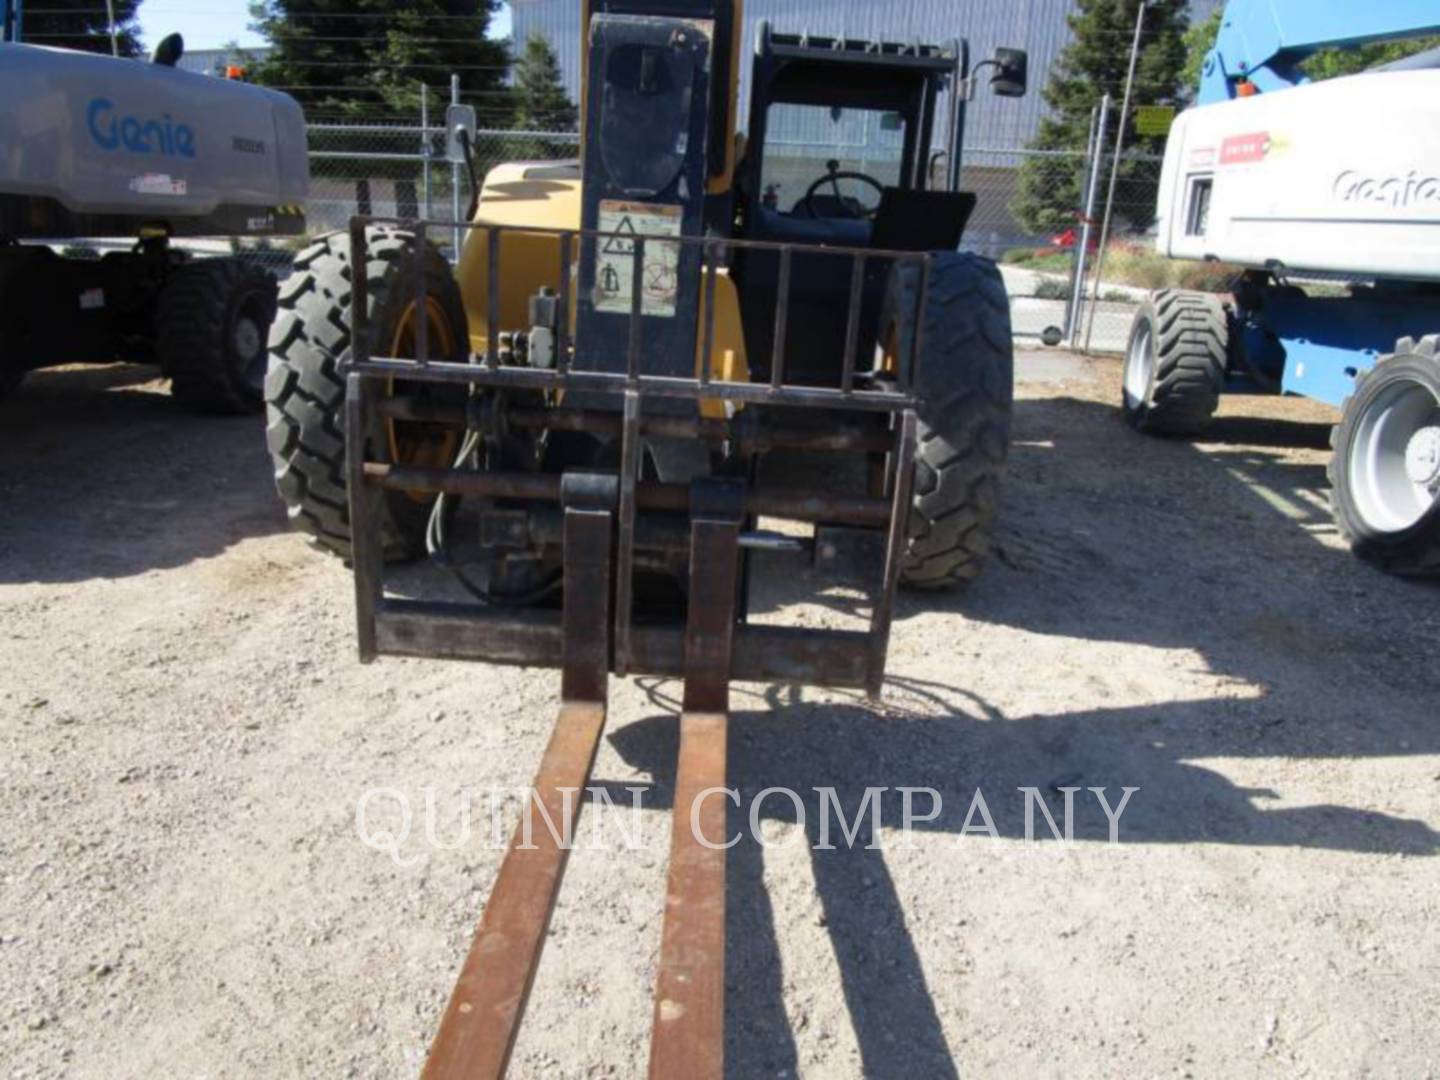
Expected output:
(460, 127)
(1012, 71)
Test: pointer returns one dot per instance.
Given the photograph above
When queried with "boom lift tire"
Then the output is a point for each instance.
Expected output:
(1385, 472)
(211, 324)
(12, 374)
(1175, 363)
(966, 387)
(305, 386)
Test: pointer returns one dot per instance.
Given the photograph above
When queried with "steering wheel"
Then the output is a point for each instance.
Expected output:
(847, 208)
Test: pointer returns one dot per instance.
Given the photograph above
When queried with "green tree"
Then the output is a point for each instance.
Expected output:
(356, 59)
(1095, 63)
(1325, 64)
(83, 25)
(1330, 63)
(541, 104)
(1199, 40)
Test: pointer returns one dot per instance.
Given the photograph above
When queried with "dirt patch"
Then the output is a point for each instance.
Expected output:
(185, 735)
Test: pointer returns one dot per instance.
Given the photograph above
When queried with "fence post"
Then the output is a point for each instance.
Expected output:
(454, 181)
(425, 147)
(1096, 156)
(1115, 169)
(114, 36)
(1077, 251)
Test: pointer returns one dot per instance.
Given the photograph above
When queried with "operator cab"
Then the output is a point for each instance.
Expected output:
(840, 155)
(834, 125)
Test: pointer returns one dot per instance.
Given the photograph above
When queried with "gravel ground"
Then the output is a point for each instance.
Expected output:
(185, 736)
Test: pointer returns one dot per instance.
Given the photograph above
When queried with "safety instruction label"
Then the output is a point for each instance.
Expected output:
(615, 258)
(157, 184)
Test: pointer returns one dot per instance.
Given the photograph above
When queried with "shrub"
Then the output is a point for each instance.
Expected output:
(1052, 289)
(1206, 277)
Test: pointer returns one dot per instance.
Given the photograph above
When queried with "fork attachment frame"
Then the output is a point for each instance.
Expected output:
(601, 520)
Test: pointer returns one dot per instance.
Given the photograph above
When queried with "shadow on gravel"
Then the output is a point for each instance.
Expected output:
(1107, 537)
(942, 738)
(1263, 431)
(103, 475)
(1229, 550)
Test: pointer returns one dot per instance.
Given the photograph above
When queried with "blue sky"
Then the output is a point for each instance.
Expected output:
(209, 24)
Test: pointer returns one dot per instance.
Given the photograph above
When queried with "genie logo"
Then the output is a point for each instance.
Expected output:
(1402, 192)
(112, 131)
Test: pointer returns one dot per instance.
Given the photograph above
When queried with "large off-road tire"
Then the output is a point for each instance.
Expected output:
(212, 323)
(1385, 472)
(305, 388)
(966, 384)
(1175, 363)
(12, 371)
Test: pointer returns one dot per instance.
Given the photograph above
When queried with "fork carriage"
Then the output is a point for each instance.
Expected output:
(600, 517)
(625, 406)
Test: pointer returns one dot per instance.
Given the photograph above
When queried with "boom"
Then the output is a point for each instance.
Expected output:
(1263, 42)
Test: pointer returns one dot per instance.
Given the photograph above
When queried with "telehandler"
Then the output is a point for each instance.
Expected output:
(626, 339)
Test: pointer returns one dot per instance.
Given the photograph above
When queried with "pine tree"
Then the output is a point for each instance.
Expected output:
(365, 59)
(82, 25)
(1095, 63)
(541, 104)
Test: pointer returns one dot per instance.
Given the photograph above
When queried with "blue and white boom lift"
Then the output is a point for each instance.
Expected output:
(1293, 179)
(94, 147)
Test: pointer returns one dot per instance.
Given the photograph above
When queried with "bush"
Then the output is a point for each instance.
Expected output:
(1139, 265)
(1015, 256)
(1127, 264)
(1052, 289)
(1207, 277)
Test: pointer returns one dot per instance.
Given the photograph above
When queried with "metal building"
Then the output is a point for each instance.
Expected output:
(1038, 26)
(216, 61)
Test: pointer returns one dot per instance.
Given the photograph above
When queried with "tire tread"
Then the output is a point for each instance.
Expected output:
(192, 319)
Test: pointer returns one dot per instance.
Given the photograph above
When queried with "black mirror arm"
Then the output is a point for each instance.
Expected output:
(463, 135)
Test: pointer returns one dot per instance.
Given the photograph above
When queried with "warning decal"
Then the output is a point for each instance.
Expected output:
(615, 261)
(1245, 149)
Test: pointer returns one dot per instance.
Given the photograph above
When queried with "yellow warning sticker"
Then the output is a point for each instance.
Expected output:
(624, 223)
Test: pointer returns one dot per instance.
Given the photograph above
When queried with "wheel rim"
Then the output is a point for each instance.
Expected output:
(1139, 366)
(412, 442)
(1394, 467)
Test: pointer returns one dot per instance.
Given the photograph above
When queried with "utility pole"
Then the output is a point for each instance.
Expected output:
(1115, 169)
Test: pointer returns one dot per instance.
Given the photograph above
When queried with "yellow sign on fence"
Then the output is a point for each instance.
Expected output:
(1154, 119)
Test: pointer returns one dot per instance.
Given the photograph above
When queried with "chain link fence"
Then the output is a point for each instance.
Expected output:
(1062, 286)
(1118, 276)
